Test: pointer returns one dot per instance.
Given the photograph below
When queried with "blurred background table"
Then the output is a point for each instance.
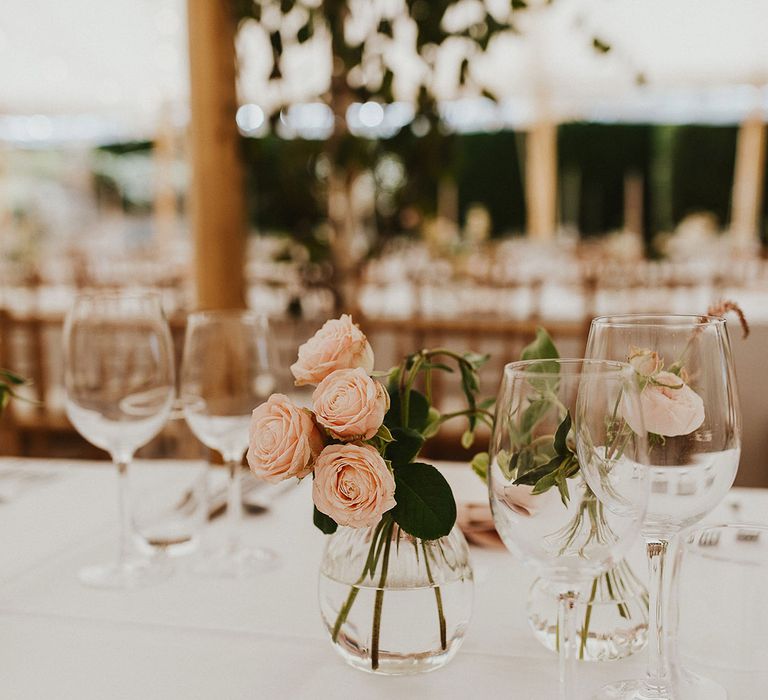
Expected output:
(193, 637)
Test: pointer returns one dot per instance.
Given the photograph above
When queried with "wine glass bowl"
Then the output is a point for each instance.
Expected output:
(119, 383)
(227, 370)
(690, 471)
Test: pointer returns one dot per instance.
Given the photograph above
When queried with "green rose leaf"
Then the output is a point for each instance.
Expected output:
(479, 465)
(418, 411)
(476, 359)
(532, 415)
(542, 348)
(11, 377)
(405, 445)
(531, 477)
(561, 446)
(384, 434)
(425, 505)
(433, 423)
(323, 522)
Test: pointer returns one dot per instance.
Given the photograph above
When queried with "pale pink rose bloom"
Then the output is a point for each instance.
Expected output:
(353, 485)
(339, 344)
(670, 407)
(284, 440)
(646, 362)
(350, 405)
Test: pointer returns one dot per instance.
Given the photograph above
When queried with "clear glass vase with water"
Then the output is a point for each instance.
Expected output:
(394, 604)
(611, 619)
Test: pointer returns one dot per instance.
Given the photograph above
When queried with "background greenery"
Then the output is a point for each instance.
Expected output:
(685, 168)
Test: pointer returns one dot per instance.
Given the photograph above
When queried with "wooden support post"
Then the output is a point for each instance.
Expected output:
(748, 173)
(217, 196)
(541, 180)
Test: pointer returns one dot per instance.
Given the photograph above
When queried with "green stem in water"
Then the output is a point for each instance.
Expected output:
(438, 600)
(371, 561)
(587, 619)
(379, 602)
(344, 612)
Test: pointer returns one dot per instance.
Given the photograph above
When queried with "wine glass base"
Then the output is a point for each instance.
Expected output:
(240, 563)
(688, 686)
(128, 574)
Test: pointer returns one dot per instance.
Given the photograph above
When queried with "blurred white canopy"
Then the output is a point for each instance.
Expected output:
(119, 63)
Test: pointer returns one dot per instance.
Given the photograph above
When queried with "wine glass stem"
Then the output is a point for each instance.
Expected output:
(565, 624)
(123, 512)
(234, 504)
(658, 670)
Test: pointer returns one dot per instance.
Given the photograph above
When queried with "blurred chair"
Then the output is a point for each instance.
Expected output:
(30, 346)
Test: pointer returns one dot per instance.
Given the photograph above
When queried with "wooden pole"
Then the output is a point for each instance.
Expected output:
(748, 172)
(633, 202)
(217, 197)
(541, 180)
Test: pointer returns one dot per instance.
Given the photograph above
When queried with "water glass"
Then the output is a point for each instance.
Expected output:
(723, 618)
(169, 506)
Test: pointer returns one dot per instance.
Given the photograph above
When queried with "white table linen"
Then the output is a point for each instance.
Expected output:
(192, 637)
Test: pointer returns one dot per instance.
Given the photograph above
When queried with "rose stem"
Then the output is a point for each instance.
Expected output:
(370, 563)
(438, 599)
(587, 619)
(379, 602)
(344, 612)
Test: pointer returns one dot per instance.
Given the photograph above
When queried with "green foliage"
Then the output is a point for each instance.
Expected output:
(418, 411)
(425, 505)
(479, 465)
(324, 522)
(542, 348)
(406, 446)
(8, 381)
(556, 471)
(546, 461)
(372, 51)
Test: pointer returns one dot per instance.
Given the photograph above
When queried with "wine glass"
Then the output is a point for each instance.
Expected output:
(691, 413)
(119, 383)
(552, 416)
(226, 371)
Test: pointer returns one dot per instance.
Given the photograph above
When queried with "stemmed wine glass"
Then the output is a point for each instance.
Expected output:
(691, 413)
(226, 371)
(551, 416)
(119, 382)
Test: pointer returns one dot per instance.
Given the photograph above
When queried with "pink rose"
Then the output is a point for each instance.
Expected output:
(350, 405)
(339, 344)
(646, 362)
(670, 407)
(353, 485)
(284, 440)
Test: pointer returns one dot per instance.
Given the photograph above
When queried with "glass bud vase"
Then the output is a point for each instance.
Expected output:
(611, 619)
(394, 604)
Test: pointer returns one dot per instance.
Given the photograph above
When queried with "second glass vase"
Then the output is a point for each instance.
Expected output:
(611, 619)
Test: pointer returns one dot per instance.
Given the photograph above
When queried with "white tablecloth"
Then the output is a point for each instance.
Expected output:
(191, 637)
